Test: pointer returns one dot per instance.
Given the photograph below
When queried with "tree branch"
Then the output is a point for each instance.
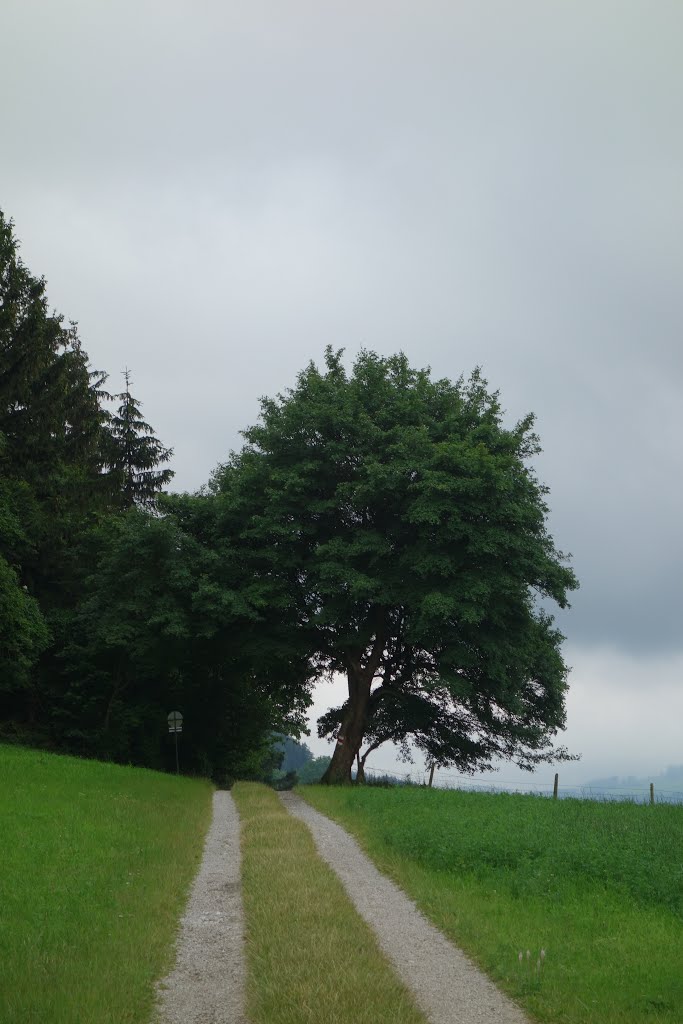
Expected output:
(373, 746)
(377, 652)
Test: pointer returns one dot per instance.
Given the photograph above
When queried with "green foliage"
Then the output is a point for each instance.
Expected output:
(288, 763)
(51, 434)
(294, 754)
(97, 861)
(384, 780)
(23, 632)
(113, 613)
(312, 771)
(597, 886)
(399, 525)
(163, 625)
(377, 523)
(133, 454)
(51, 425)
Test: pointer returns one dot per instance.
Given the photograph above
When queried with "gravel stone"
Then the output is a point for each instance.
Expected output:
(207, 983)
(448, 988)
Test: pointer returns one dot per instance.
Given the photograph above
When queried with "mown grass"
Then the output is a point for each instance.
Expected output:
(311, 958)
(96, 862)
(598, 886)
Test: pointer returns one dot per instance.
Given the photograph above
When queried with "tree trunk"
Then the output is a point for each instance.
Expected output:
(350, 735)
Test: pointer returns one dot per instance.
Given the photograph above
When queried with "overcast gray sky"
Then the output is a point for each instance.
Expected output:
(216, 191)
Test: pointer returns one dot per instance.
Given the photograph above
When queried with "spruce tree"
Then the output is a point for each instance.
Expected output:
(134, 454)
(51, 420)
(51, 487)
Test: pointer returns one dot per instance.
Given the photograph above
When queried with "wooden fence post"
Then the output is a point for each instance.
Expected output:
(431, 775)
(652, 792)
(557, 779)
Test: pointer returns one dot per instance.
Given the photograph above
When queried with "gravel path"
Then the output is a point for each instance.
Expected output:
(448, 988)
(207, 984)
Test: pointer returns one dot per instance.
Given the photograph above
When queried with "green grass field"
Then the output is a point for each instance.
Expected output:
(311, 958)
(597, 886)
(96, 862)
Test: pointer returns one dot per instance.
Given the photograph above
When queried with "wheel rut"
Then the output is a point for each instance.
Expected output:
(448, 988)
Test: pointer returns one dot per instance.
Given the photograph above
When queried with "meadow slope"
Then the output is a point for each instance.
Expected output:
(97, 860)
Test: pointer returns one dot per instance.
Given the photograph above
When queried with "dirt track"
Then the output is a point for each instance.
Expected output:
(448, 988)
(207, 985)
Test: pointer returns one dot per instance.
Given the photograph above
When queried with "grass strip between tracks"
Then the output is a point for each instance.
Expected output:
(311, 958)
(597, 886)
(96, 864)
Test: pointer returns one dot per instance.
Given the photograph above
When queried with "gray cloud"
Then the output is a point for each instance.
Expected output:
(217, 191)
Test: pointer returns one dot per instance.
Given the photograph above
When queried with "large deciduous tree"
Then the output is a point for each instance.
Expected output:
(400, 524)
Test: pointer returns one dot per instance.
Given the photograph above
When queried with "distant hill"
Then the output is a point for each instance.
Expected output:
(298, 763)
(668, 784)
(295, 754)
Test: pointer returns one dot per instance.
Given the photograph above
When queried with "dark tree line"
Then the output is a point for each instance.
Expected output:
(376, 523)
(117, 603)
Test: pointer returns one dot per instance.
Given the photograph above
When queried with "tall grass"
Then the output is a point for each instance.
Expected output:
(96, 861)
(311, 958)
(597, 886)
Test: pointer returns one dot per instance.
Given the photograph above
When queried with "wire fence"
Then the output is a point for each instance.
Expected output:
(443, 779)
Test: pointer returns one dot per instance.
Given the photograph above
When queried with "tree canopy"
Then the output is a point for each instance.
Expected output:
(115, 607)
(162, 625)
(400, 526)
(377, 523)
(134, 454)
